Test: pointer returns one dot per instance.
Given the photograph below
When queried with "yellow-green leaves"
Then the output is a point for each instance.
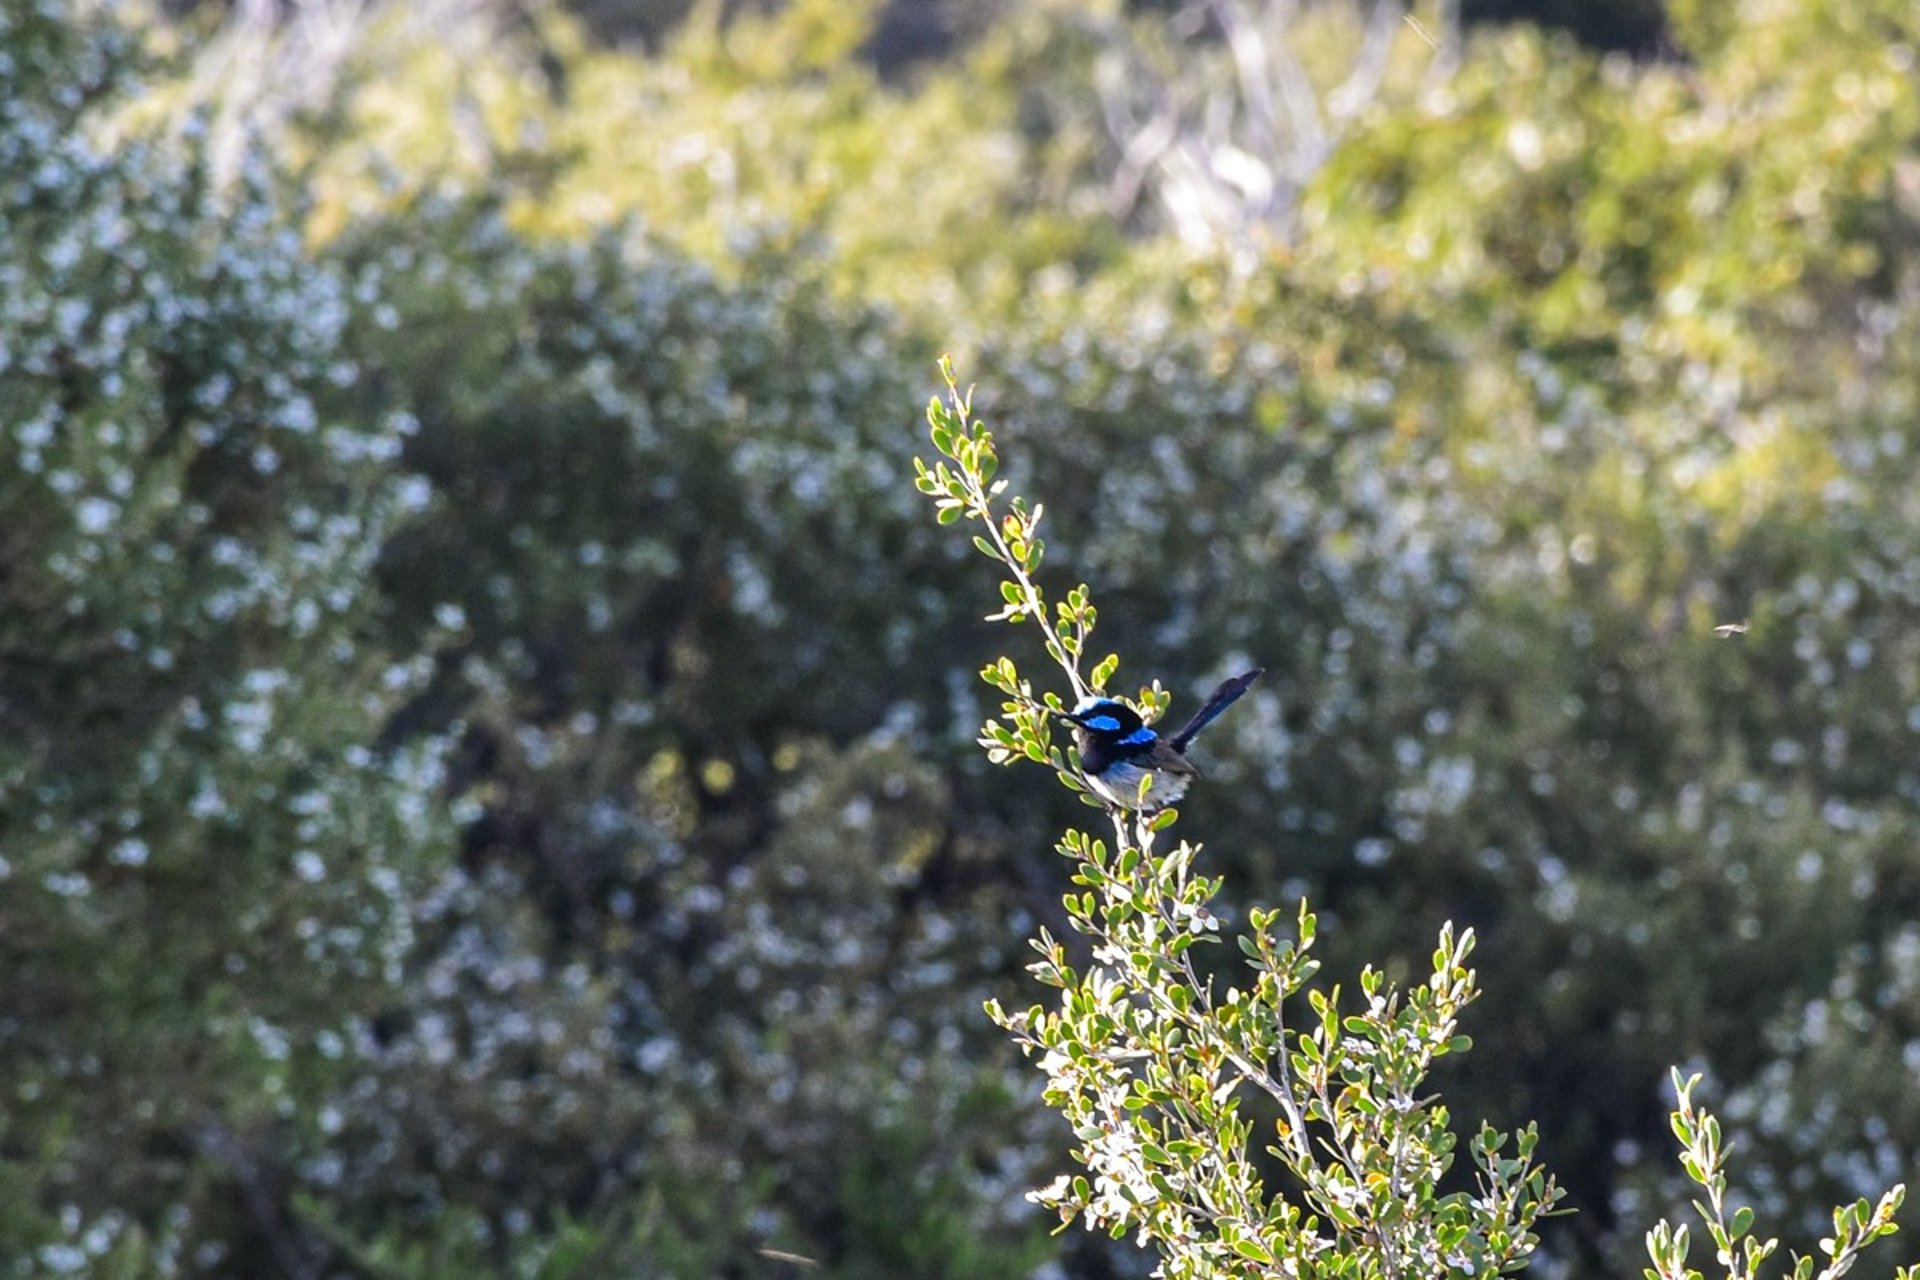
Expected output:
(1703, 1156)
(962, 486)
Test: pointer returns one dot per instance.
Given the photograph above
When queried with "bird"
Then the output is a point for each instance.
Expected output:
(1117, 749)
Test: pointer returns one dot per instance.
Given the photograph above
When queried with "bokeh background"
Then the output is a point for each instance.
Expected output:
(486, 770)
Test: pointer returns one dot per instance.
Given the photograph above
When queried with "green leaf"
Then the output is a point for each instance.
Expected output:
(1247, 1247)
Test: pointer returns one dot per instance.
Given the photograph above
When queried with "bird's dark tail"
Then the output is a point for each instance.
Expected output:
(1222, 698)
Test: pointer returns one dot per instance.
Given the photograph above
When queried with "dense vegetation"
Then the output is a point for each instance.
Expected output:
(487, 782)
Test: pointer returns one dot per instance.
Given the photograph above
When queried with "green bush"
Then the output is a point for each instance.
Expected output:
(692, 967)
(207, 863)
(679, 955)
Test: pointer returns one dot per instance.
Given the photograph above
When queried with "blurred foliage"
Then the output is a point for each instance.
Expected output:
(755, 132)
(1685, 291)
(695, 824)
(206, 861)
(487, 758)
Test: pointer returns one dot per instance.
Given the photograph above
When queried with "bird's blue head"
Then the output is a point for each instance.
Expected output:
(1110, 720)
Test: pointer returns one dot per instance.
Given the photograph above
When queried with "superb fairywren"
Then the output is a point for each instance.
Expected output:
(1117, 749)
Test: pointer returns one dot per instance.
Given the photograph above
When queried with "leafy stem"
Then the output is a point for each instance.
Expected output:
(1740, 1253)
(1156, 1066)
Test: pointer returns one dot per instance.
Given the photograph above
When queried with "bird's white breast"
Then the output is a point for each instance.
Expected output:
(1121, 785)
